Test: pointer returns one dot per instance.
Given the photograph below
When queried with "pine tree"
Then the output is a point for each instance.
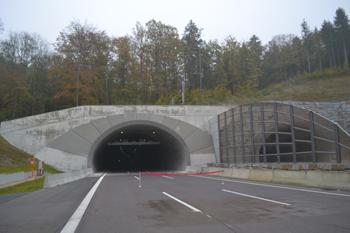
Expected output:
(306, 36)
(341, 23)
(192, 45)
(327, 35)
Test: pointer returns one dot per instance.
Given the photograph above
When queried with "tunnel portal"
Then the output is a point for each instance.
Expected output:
(137, 146)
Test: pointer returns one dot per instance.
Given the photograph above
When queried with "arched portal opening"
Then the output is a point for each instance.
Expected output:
(138, 146)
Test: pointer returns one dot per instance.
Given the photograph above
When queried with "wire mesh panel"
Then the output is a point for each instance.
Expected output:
(270, 132)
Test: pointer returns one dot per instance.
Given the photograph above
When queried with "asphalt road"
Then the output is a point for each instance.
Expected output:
(179, 204)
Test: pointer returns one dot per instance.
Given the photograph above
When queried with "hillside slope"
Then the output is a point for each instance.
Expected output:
(11, 156)
(300, 89)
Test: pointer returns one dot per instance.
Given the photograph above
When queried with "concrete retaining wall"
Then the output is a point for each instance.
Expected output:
(18, 176)
(320, 179)
(62, 178)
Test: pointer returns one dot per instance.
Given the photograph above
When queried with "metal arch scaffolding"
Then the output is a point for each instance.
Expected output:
(268, 132)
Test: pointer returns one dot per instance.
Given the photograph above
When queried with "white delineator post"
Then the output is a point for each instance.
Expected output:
(222, 177)
(140, 180)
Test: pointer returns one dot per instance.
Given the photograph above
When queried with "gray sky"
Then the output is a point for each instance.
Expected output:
(218, 18)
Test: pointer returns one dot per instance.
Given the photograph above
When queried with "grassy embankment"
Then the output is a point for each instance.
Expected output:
(306, 88)
(14, 160)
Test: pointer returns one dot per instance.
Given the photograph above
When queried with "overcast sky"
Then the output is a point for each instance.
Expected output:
(218, 18)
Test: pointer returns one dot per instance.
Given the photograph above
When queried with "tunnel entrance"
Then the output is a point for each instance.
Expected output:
(139, 146)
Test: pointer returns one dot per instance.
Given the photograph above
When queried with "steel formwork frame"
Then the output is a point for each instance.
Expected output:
(294, 135)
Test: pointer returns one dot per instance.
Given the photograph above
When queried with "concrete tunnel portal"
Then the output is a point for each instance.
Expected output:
(139, 146)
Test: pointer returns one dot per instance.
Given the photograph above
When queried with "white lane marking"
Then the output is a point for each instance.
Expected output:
(137, 177)
(263, 199)
(184, 203)
(73, 222)
(280, 187)
(168, 177)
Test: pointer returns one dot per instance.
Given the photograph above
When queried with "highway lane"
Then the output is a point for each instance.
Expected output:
(119, 205)
(46, 210)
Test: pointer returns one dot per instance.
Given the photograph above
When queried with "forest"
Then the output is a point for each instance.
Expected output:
(85, 66)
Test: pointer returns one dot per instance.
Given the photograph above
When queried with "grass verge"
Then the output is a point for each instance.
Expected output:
(27, 168)
(29, 186)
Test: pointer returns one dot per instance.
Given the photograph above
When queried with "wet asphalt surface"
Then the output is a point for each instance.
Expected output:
(119, 205)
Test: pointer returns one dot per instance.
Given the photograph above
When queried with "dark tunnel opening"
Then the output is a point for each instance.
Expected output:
(140, 147)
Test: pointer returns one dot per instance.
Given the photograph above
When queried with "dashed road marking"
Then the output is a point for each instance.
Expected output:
(263, 199)
(274, 186)
(184, 203)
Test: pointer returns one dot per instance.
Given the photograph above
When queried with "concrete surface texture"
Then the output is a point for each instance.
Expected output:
(64, 138)
(14, 177)
(63, 178)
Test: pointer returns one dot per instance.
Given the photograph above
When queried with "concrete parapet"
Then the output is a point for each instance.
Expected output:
(62, 178)
(213, 169)
(324, 179)
(191, 169)
(18, 176)
(290, 177)
(263, 175)
(240, 173)
(227, 172)
(318, 178)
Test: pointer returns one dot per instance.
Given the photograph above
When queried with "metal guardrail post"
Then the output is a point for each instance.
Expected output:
(263, 129)
(276, 132)
(312, 135)
(291, 114)
(242, 136)
(233, 137)
(251, 131)
(226, 134)
(220, 151)
(336, 141)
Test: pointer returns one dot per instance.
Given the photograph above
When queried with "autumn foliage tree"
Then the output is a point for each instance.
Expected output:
(75, 47)
(86, 66)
